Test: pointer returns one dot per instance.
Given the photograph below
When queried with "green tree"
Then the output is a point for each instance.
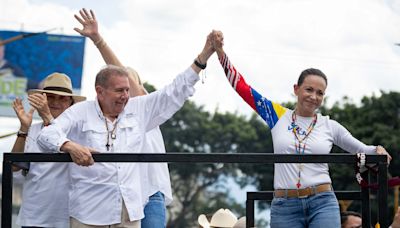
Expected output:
(376, 121)
(201, 188)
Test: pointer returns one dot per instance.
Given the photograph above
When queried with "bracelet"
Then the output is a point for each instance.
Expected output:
(22, 134)
(199, 65)
(100, 43)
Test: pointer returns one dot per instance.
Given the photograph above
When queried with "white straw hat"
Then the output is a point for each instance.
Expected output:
(60, 84)
(222, 218)
(241, 223)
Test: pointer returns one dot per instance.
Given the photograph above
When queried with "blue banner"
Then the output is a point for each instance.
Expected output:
(30, 57)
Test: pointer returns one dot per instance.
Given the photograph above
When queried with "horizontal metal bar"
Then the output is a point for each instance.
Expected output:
(197, 158)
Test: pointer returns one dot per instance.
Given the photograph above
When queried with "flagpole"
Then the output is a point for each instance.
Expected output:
(22, 36)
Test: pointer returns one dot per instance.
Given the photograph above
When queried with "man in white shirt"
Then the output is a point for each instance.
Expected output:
(156, 184)
(107, 194)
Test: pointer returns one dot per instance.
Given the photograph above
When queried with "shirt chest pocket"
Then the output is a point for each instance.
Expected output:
(94, 136)
(131, 140)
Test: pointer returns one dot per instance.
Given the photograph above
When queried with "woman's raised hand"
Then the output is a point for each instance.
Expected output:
(25, 118)
(89, 23)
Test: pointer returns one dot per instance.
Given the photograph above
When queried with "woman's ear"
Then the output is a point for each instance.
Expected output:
(295, 89)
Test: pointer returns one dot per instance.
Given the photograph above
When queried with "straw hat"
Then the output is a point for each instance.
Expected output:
(241, 223)
(222, 218)
(60, 84)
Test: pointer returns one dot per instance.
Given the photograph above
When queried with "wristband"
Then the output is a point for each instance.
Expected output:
(22, 134)
(199, 65)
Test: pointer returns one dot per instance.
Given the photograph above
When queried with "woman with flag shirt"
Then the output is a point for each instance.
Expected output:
(303, 195)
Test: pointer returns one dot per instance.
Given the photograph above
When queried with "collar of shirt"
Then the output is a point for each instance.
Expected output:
(101, 114)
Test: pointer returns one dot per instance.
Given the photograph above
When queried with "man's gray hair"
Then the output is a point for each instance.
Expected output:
(108, 71)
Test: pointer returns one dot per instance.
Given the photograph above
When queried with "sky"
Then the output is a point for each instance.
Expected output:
(269, 41)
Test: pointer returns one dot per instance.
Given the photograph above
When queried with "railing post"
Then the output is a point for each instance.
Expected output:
(382, 194)
(6, 200)
(365, 203)
(249, 212)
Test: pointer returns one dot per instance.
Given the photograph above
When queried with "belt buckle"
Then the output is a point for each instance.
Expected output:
(301, 197)
(309, 191)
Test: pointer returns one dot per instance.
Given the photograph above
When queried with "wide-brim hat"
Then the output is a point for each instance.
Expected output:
(59, 84)
(222, 218)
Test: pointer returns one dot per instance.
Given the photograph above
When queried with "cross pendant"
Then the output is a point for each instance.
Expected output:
(108, 146)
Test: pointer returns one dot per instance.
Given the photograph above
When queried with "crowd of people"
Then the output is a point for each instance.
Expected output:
(124, 117)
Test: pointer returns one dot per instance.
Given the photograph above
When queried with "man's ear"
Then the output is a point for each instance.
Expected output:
(99, 90)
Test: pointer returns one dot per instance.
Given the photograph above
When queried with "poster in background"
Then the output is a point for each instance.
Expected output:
(27, 61)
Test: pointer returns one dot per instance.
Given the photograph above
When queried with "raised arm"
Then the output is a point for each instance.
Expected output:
(25, 119)
(200, 63)
(90, 29)
(159, 106)
(268, 110)
(37, 102)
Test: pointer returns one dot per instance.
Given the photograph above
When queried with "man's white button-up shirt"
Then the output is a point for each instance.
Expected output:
(97, 191)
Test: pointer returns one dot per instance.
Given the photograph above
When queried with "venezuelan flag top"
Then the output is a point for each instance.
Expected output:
(268, 110)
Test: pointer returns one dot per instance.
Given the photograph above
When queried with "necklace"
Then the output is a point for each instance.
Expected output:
(301, 143)
(110, 134)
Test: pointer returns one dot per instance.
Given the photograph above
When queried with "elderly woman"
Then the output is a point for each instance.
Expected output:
(45, 186)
